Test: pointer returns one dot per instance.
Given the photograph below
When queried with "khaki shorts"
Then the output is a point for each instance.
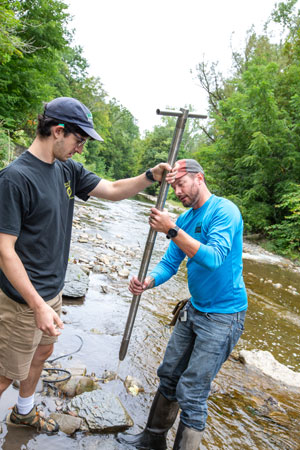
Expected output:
(19, 336)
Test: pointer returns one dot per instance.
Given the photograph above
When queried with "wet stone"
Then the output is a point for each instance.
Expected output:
(271, 408)
(77, 385)
(76, 282)
(280, 418)
(67, 424)
(124, 273)
(86, 384)
(267, 364)
(108, 375)
(102, 411)
(120, 249)
(104, 288)
(133, 386)
(79, 370)
(97, 268)
(104, 259)
(102, 442)
(95, 331)
(83, 260)
(82, 240)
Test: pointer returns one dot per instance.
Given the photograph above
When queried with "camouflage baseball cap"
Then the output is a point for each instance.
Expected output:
(187, 166)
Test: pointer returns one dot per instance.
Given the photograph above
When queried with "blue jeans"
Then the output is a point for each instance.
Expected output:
(195, 353)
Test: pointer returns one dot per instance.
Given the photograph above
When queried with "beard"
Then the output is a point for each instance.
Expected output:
(192, 198)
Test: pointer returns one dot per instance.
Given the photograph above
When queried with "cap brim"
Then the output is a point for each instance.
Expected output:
(180, 174)
(92, 133)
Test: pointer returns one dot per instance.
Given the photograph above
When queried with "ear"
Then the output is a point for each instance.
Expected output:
(199, 177)
(57, 131)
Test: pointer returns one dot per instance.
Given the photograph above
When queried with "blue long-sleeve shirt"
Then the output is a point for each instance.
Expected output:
(215, 276)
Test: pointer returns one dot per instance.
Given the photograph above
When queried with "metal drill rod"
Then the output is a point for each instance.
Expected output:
(179, 113)
(178, 132)
(180, 124)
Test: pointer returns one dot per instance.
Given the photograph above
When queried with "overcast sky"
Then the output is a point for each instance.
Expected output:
(143, 50)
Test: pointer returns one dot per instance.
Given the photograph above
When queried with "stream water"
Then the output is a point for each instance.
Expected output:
(246, 410)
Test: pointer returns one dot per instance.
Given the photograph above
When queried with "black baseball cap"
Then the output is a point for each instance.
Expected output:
(71, 110)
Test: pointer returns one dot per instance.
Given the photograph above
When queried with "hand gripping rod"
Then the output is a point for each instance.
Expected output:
(182, 115)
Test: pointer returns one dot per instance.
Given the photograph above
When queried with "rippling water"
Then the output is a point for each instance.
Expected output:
(246, 410)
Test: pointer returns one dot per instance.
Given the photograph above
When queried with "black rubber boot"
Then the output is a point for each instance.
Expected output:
(161, 418)
(187, 438)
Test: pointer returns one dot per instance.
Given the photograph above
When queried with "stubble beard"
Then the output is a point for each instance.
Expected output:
(60, 152)
(192, 199)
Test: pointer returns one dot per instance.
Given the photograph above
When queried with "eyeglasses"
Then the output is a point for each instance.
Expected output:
(80, 140)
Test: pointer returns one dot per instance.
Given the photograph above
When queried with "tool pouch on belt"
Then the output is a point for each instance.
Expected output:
(178, 307)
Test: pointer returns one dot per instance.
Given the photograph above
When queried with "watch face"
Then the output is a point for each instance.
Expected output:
(172, 232)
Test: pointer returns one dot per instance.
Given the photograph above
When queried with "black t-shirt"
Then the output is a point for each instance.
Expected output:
(36, 205)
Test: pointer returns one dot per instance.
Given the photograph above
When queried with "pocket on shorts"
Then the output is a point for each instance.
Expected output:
(24, 312)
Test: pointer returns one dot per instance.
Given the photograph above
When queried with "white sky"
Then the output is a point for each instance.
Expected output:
(143, 50)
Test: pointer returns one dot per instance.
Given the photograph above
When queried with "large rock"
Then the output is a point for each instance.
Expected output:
(102, 411)
(266, 363)
(76, 282)
(77, 385)
(68, 424)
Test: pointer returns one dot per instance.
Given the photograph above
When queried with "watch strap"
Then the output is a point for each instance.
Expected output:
(172, 233)
(149, 175)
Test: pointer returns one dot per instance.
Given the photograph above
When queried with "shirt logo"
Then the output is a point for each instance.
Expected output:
(69, 190)
(198, 228)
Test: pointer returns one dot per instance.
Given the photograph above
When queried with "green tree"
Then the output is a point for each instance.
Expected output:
(253, 133)
(10, 42)
(156, 145)
(26, 82)
(286, 234)
(6, 147)
(118, 150)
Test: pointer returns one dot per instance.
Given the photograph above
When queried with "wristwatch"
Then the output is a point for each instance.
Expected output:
(172, 232)
(150, 176)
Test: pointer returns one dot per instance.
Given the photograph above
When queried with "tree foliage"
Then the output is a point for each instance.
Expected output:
(249, 146)
(53, 68)
(254, 130)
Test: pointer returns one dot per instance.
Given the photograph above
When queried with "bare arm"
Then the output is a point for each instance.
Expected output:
(15, 272)
(128, 187)
(161, 221)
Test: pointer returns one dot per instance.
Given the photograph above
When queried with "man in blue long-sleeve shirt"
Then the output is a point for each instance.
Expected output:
(210, 234)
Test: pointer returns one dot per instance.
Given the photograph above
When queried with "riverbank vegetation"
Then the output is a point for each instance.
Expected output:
(249, 146)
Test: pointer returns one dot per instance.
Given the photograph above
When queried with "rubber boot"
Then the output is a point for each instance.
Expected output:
(187, 438)
(161, 418)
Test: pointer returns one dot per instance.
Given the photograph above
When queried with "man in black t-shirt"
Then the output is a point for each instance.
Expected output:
(37, 193)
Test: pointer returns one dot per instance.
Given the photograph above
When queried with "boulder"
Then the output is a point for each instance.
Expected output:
(102, 411)
(67, 423)
(77, 385)
(268, 365)
(76, 282)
